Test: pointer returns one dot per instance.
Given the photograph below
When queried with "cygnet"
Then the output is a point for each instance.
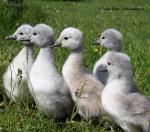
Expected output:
(85, 88)
(50, 92)
(110, 39)
(16, 76)
(129, 109)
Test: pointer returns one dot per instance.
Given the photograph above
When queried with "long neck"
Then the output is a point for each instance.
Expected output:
(116, 49)
(46, 58)
(75, 61)
(29, 53)
(117, 86)
(25, 58)
(73, 69)
(126, 77)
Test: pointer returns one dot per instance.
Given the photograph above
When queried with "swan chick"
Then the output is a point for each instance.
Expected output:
(129, 109)
(85, 88)
(111, 40)
(50, 92)
(16, 76)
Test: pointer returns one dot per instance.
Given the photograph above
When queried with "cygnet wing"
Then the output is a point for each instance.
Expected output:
(138, 104)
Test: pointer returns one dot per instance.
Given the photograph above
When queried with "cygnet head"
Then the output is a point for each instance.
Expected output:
(110, 39)
(22, 34)
(42, 35)
(71, 38)
(118, 64)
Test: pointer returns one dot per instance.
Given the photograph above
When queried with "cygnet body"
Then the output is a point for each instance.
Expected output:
(129, 109)
(50, 92)
(16, 75)
(110, 39)
(85, 88)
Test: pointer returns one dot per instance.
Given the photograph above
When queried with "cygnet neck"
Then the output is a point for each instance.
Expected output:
(127, 77)
(114, 46)
(47, 57)
(29, 49)
(124, 82)
(76, 56)
(77, 50)
(26, 56)
(75, 62)
(73, 69)
(116, 49)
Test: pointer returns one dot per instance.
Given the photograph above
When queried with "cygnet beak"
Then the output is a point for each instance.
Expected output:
(102, 68)
(27, 39)
(11, 37)
(56, 44)
(96, 42)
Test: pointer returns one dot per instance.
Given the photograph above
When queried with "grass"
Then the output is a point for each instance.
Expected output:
(92, 17)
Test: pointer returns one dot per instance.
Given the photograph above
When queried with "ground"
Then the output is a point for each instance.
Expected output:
(130, 17)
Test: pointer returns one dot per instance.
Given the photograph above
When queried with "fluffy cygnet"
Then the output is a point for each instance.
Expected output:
(16, 76)
(50, 92)
(110, 39)
(129, 109)
(85, 88)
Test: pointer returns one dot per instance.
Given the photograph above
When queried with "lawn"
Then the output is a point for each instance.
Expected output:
(130, 17)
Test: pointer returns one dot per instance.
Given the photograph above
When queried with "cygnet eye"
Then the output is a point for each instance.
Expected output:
(103, 37)
(34, 33)
(109, 63)
(21, 33)
(66, 38)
